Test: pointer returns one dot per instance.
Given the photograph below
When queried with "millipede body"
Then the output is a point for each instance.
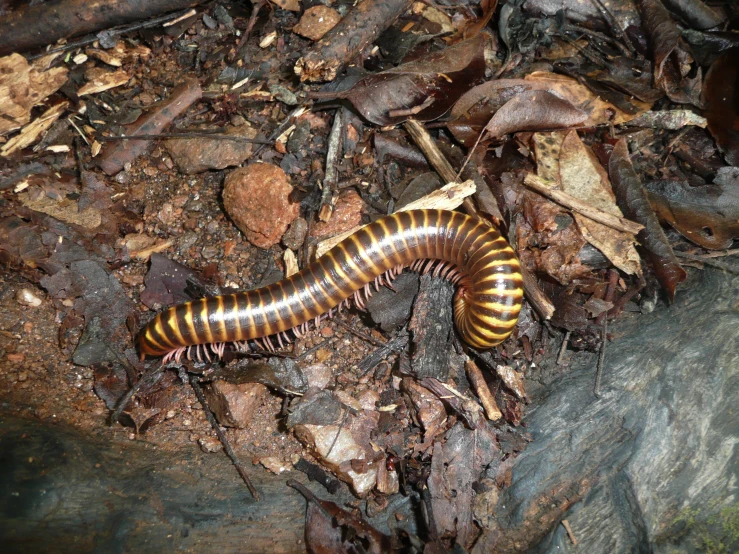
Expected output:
(470, 253)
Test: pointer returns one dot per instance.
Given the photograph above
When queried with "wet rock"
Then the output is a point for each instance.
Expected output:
(257, 198)
(234, 404)
(196, 155)
(347, 214)
(316, 22)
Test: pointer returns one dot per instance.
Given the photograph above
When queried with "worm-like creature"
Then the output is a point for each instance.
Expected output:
(465, 250)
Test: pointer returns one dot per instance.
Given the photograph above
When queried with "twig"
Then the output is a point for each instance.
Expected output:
(113, 32)
(709, 261)
(216, 136)
(541, 186)
(566, 525)
(150, 376)
(614, 25)
(309, 496)
(426, 143)
(563, 349)
(359, 334)
(601, 358)
(483, 391)
(221, 436)
(537, 298)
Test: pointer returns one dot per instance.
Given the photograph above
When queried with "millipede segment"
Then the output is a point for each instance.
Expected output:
(471, 254)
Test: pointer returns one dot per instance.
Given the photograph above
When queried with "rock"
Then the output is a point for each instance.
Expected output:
(345, 450)
(234, 404)
(347, 214)
(295, 234)
(316, 22)
(654, 460)
(319, 376)
(196, 155)
(257, 198)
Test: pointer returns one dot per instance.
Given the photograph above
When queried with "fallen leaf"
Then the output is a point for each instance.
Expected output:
(675, 70)
(583, 177)
(721, 93)
(424, 89)
(706, 215)
(633, 199)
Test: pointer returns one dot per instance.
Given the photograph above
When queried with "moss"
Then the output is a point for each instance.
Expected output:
(717, 534)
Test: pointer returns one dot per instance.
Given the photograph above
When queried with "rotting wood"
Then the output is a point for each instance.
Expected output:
(359, 28)
(45, 23)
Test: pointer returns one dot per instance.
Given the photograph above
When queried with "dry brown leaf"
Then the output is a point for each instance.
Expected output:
(66, 211)
(23, 86)
(583, 177)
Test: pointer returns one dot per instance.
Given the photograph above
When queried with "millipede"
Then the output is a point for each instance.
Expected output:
(465, 250)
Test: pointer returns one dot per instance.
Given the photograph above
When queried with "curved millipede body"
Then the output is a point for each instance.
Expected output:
(473, 254)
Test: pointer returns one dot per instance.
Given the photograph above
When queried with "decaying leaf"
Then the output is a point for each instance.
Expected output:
(707, 215)
(633, 199)
(675, 70)
(332, 530)
(721, 93)
(581, 176)
(473, 110)
(424, 89)
(534, 111)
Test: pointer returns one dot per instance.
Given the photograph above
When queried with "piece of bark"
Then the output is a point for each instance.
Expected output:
(115, 155)
(359, 28)
(432, 329)
(45, 23)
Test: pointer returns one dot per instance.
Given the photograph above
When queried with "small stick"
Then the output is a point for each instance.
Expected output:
(221, 436)
(708, 260)
(483, 391)
(563, 348)
(601, 358)
(541, 186)
(566, 525)
(426, 143)
(149, 377)
(216, 136)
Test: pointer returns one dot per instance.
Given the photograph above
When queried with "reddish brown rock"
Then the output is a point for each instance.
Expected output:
(196, 155)
(257, 198)
(316, 22)
(234, 404)
(347, 214)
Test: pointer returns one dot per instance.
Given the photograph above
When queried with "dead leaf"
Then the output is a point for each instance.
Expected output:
(66, 211)
(332, 530)
(583, 177)
(424, 89)
(534, 111)
(633, 199)
(475, 108)
(675, 70)
(23, 86)
(707, 215)
(721, 93)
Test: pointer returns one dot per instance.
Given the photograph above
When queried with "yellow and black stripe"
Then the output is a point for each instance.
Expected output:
(486, 305)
